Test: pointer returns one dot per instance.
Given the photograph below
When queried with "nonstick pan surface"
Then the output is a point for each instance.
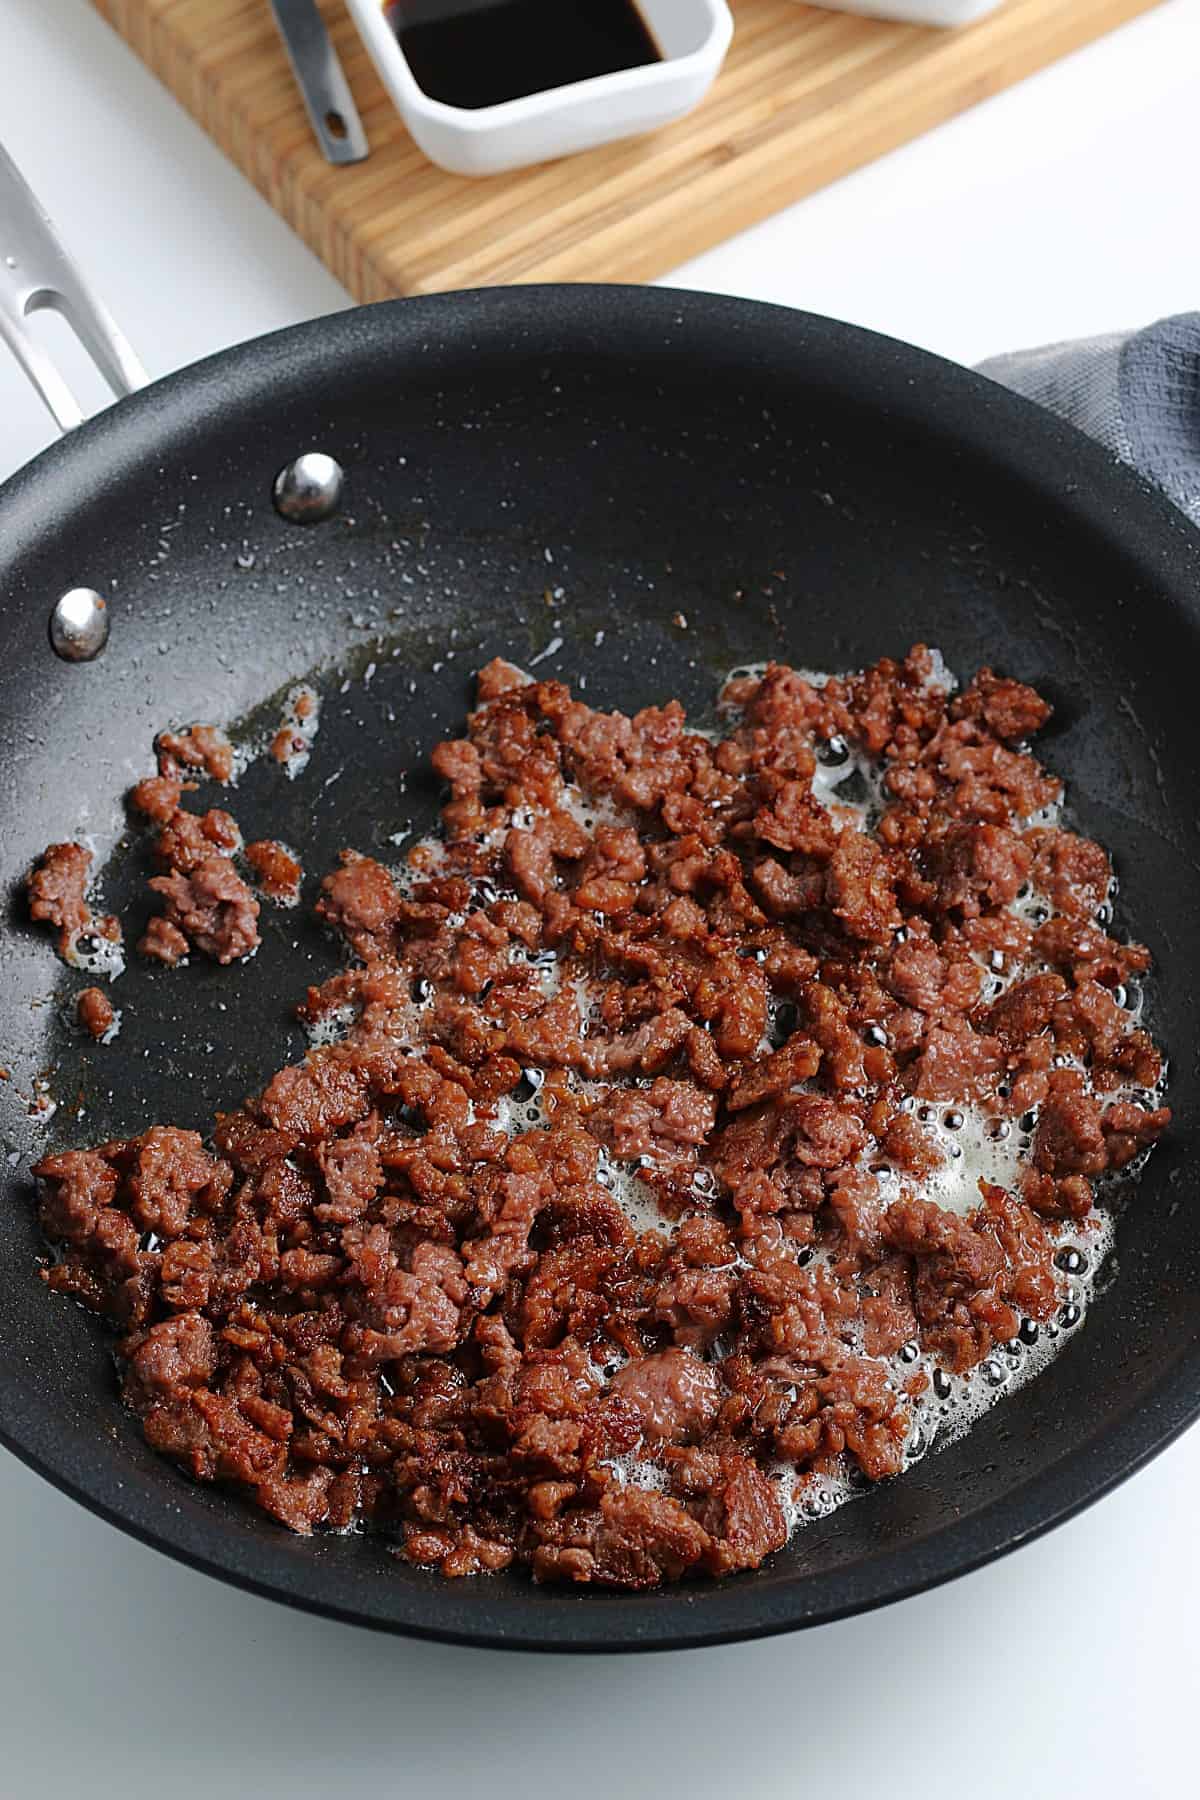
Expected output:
(636, 490)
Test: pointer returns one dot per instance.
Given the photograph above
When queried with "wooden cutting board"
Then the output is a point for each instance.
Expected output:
(805, 97)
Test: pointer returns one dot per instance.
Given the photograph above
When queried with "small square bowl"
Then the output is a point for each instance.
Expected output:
(692, 37)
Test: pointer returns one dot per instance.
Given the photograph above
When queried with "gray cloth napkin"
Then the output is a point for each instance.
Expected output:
(1137, 392)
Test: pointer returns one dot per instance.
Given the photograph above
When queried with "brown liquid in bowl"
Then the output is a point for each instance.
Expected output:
(478, 53)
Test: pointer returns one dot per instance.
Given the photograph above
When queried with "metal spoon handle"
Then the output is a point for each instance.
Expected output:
(38, 272)
(321, 80)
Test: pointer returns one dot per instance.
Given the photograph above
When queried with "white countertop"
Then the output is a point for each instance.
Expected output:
(1066, 206)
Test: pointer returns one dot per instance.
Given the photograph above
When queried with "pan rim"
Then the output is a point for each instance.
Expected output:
(1084, 482)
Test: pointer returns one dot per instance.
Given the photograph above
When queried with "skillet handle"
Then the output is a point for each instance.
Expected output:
(37, 272)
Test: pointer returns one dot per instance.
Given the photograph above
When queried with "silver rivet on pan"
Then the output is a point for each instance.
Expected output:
(79, 625)
(308, 490)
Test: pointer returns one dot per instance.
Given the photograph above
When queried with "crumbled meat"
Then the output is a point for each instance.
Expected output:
(1070, 1138)
(1009, 708)
(967, 1275)
(1026, 1009)
(637, 1540)
(888, 1317)
(916, 972)
(178, 1352)
(57, 889)
(288, 742)
(166, 1172)
(957, 1063)
(977, 866)
(859, 891)
(521, 1268)
(292, 744)
(196, 747)
(1071, 871)
(1084, 951)
(163, 942)
(498, 677)
(213, 908)
(95, 1012)
(796, 1062)
(276, 871)
(673, 1395)
(188, 839)
(743, 1516)
(208, 905)
(360, 900)
(157, 797)
(1129, 1129)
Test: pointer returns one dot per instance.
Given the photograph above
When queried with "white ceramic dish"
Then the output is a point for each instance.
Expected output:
(692, 36)
(917, 12)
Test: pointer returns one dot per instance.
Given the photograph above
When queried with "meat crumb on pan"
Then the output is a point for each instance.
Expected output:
(210, 904)
(163, 942)
(200, 747)
(207, 905)
(276, 871)
(56, 889)
(96, 1013)
(291, 746)
(701, 1120)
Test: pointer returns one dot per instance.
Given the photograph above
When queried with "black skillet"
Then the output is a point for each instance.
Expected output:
(638, 489)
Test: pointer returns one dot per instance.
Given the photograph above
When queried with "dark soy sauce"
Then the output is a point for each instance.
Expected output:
(476, 53)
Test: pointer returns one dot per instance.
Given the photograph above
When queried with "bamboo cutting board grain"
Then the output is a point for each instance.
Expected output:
(805, 97)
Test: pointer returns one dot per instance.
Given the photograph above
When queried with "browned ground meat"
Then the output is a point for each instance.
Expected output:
(293, 740)
(1011, 709)
(276, 871)
(187, 839)
(207, 905)
(163, 942)
(386, 1293)
(287, 743)
(213, 908)
(202, 747)
(361, 901)
(672, 1395)
(95, 1011)
(57, 890)
(157, 797)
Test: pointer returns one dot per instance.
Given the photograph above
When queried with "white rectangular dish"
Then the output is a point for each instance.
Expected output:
(917, 12)
(692, 37)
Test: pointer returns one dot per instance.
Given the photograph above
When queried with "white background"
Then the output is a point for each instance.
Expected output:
(1064, 207)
